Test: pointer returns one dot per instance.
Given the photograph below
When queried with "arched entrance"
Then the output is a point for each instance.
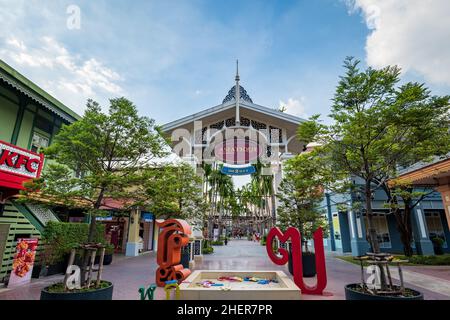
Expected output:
(236, 138)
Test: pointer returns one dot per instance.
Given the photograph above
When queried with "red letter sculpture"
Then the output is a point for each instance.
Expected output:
(173, 236)
(294, 235)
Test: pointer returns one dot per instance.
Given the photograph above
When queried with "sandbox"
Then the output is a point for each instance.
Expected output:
(282, 288)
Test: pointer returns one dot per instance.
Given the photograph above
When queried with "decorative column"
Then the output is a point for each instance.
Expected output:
(191, 253)
(422, 240)
(198, 249)
(358, 240)
(133, 243)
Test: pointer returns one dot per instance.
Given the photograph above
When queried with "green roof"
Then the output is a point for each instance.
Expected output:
(35, 92)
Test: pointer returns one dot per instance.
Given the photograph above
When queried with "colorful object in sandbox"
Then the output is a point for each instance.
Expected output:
(210, 283)
(149, 293)
(294, 235)
(172, 285)
(174, 235)
(232, 279)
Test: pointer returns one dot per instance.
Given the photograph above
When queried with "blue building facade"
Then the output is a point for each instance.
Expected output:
(348, 227)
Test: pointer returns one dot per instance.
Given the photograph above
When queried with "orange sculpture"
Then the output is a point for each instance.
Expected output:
(173, 236)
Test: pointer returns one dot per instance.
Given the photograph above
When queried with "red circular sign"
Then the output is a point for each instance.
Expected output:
(237, 151)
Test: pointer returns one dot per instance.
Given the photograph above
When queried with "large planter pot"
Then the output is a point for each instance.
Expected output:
(99, 294)
(438, 250)
(57, 268)
(185, 257)
(36, 271)
(107, 259)
(352, 294)
(308, 263)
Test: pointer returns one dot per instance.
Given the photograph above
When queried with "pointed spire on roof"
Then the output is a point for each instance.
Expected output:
(238, 94)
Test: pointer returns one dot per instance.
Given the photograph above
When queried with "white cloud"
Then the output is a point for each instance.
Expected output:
(73, 79)
(413, 34)
(294, 106)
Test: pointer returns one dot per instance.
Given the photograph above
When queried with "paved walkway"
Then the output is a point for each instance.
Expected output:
(128, 274)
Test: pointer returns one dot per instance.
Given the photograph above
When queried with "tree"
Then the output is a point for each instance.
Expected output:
(301, 195)
(377, 128)
(175, 190)
(98, 157)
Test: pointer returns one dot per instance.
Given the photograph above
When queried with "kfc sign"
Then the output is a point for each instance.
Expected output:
(237, 151)
(18, 165)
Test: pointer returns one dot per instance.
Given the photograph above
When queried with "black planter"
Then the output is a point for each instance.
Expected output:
(308, 262)
(57, 268)
(352, 294)
(438, 250)
(36, 271)
(107, 259)
(185, 256)
(100, 294)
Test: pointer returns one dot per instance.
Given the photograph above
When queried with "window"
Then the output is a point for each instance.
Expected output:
(434, 224)
(38, 141)
(381, 226)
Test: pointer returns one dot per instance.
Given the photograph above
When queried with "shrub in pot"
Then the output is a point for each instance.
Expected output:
(382, 287)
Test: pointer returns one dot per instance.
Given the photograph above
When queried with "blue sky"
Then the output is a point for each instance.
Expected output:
(173, 58)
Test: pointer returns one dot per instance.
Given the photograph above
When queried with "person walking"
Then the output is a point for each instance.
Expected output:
(226, 241)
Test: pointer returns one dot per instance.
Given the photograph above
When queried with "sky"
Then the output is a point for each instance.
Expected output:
(174, 58)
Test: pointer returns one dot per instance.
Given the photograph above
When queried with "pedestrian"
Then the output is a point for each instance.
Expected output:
(226, 241)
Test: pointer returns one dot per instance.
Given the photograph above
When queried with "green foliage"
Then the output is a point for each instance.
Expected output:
(379, 125)
(175, 191)
(438, 260)
(61, 237)
(60, 287)
(208, 250)
(301, 193)
(100, 156)
(217, 243)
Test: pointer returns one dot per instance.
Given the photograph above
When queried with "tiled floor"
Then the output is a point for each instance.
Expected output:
(128, 274)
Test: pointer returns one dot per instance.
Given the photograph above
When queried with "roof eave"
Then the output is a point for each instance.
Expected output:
(222, 107)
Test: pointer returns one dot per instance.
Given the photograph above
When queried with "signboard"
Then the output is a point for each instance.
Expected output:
(237, 151)
(147, 216)
(238, 171)
(18, 165)
(23, 261)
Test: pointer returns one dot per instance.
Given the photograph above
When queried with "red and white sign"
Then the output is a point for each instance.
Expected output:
(23, 262)
(18, 165)
(237, 151)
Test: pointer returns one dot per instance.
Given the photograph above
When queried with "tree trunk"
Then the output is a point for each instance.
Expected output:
(404, 227)
(372, 232)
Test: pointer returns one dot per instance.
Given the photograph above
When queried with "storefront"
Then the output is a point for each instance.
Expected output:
(30, 118)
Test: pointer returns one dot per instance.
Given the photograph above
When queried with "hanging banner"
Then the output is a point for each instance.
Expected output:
(23, 262)
(238, 171)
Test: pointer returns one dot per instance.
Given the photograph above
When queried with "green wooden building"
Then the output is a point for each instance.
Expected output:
(29, 119)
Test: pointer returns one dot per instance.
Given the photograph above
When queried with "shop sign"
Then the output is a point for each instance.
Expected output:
(23, 262)
(147, 216)
(18, 165)
(238, 171)
(237, 151)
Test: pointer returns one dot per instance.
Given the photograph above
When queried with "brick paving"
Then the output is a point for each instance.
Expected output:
(130, 273)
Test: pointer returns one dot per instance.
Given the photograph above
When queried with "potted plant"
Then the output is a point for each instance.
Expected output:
(110, 154)
(109, 252)
(300, 197)
(380, 286)
(438, 244)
